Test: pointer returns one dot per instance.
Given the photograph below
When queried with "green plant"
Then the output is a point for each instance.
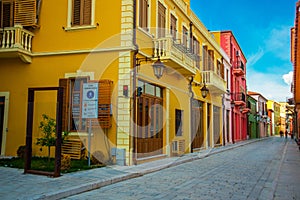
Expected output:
(21, 151)
(48, 127)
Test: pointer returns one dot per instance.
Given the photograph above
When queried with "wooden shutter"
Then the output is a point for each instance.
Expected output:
(184, 36)
(205, 58)
(104, 104)
(25, 12)
(173, 26)
(87, 9)
(6, 13)
(211, 60)
(82, 12)
(161, 20)
(143, 14)
(76, 12)
(65, 84)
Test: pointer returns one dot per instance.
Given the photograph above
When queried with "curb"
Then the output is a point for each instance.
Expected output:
(98, 184)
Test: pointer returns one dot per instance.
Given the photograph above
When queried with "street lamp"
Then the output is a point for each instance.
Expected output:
(204, 90)
(158, 66)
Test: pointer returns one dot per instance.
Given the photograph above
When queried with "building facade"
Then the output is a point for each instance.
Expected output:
(252, 118)
(142, 114)
(274, 116)
(262, 113)
(238, 86)
(295, 58)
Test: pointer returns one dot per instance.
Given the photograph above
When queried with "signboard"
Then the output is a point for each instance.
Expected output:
(90, 100)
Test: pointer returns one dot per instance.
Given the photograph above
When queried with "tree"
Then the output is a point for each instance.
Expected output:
(48, 127)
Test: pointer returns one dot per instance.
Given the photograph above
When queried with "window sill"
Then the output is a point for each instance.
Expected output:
(74, 28)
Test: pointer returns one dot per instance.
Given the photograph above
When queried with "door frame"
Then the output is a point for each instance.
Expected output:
(5, 121)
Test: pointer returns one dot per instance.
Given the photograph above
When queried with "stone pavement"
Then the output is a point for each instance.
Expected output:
(16, 185)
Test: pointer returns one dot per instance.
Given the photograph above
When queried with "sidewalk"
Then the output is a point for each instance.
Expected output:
(16, 185)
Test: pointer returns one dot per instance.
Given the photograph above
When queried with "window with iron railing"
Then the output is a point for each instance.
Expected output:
(239, 97)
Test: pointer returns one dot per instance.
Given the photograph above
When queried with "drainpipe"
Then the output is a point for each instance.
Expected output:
(191, 110)
(223, 120)
(134, 77)
(191, 37)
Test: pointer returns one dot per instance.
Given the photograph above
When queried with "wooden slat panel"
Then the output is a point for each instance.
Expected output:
(87, 10)
(76, 12)
(104, 104)
(72, 148)
(64, 83)
(25, 12)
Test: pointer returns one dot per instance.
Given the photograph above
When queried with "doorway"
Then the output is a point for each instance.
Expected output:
(2, 104)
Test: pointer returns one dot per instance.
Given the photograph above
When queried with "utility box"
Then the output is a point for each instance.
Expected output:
(119, 156)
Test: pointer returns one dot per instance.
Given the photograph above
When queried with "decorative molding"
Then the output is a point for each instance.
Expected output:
(64, 52)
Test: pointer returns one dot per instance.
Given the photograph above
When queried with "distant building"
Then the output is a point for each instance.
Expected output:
(262, 113)
(274, 116)
(252, 118)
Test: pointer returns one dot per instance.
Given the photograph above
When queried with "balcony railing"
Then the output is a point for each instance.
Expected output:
(215, 83)
(239, 99)
(239, 70)
(16, 41)
(176, 55)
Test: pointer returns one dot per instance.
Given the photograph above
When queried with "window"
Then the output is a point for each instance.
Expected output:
(205, 58)
(184, 37)
(173, 26)
(195, 46)
(72, 120)
(161, 20)
(211, 59)
(18, 12)
(178, 122)
(227, 78)
(218, 67)
(81, 12)
(143, 14)
(216, 123)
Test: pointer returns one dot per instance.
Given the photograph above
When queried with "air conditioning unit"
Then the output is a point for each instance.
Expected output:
(178, 147)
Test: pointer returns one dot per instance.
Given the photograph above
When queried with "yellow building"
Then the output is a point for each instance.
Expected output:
(274, 115)
(141, 116)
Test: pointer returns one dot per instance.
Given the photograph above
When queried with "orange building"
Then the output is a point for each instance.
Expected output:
(295, 58)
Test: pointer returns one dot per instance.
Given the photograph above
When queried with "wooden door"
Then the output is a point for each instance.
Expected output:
(150, 126)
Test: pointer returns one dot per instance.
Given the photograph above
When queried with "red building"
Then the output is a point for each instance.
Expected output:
(238, 85)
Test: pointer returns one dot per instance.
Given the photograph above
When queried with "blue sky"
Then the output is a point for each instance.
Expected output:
(262, 28)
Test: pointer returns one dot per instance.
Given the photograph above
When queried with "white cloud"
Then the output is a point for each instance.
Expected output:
(268, 85)
(255, 57)
(288, 78)
(278, 42)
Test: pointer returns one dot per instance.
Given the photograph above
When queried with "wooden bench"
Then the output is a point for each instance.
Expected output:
(73, 148)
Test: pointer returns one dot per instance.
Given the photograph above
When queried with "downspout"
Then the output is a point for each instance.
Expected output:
(191, 110)
(231, 94)
(191, 37)
(134, 138)
(223, 120)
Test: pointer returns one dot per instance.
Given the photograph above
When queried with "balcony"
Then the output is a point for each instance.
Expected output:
(16, 42)
(176, 56)
(239, 70)
(215, 83)
(239, 99)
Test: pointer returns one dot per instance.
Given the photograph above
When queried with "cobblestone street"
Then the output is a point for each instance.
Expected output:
(261, 170)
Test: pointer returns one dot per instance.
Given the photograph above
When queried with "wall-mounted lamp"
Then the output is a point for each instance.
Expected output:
(158, 66)
(204, 90)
